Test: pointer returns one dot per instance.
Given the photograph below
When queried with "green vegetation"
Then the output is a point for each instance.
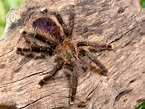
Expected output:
(5, 6)
(142, 3)
(142, 106)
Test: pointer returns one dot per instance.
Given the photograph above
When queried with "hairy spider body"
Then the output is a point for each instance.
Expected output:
(52, 38)
(48, 30)
(67, 51)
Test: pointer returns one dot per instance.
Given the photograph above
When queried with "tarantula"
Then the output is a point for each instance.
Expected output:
(53, 37)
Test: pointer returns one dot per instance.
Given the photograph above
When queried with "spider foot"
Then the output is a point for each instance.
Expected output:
(71, 102)
(95, 70)
(40, 84)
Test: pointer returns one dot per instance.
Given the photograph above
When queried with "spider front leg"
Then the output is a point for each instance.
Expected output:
(33, 51)
(51, 73)
(95, 47)
(28, 53)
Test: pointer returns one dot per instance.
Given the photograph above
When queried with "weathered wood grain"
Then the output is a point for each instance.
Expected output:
(118, 22)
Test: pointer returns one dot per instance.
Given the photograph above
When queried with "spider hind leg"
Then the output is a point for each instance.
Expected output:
(104, 70)
(51, 73)
(72, 74)
(67, 28)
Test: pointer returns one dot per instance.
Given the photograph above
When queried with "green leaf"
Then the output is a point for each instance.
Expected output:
(20, 1)
(142, 106)
(142, 3)
(2, 14)
(1, 30)
(12, 3)
(6, 5)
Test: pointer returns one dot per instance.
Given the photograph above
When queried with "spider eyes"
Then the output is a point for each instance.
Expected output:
(45, 24)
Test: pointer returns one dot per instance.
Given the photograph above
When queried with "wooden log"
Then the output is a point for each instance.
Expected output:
(120, 23)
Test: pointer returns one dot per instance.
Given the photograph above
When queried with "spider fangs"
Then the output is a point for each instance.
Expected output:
(53, 38)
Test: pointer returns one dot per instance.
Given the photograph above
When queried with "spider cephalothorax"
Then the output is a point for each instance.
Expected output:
(51, 37)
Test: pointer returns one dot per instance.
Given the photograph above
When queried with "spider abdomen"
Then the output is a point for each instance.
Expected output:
(48, 30)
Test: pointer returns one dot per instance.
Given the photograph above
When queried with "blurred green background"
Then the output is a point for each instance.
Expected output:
(142, 106)
(5, 6)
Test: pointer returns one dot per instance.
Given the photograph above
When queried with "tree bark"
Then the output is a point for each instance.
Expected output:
(120, 23)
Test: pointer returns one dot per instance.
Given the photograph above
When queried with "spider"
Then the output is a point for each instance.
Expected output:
(54, 38)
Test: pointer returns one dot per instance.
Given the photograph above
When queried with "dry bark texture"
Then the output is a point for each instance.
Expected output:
(118, 22)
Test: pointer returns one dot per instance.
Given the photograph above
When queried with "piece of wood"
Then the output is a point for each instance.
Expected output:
(120, 23)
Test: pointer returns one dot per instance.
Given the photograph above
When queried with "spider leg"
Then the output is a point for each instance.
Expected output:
(73, 79)
(98, 63)
(59, 18)
(56, 68)
(71, 18)
(84, 53)
(34, 51)
(73, 83)
(95, 47)
(32, 39)
(26, 36)
(36, 48)
(67, 29)
(28, 53)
